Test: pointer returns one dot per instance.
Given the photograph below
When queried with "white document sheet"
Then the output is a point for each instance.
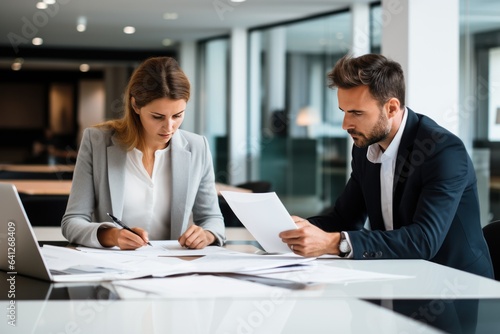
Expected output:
(114, 265)
(239, 263)
(62, 258)
(264, 216)
(160, 248)
(321, 273)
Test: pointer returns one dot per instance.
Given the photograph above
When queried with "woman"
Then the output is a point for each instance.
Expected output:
(144, 170)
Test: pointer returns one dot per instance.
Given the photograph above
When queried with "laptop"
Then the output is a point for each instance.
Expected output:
(21, 254)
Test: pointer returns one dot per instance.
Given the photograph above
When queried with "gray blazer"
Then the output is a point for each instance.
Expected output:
(98, 182)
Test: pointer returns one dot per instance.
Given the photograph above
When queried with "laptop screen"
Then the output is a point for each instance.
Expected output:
(19, 250)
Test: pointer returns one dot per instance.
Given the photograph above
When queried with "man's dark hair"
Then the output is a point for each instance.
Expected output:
(384, 77)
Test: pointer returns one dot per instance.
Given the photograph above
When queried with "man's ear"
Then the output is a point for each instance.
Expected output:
(393, 106)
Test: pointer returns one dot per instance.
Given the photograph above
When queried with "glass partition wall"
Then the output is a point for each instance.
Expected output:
(480, 102)
(212, 110)
(296, 140)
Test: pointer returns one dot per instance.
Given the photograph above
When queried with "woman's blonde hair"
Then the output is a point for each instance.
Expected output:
(155, 78)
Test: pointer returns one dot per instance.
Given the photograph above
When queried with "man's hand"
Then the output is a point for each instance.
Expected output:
(196, 238)
(309, 240)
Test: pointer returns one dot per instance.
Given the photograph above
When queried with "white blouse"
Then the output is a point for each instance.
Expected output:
(147, 199)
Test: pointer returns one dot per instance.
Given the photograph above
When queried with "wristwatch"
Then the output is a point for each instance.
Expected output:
(344, 246)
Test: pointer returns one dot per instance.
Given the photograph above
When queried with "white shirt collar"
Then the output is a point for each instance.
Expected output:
(375, 155)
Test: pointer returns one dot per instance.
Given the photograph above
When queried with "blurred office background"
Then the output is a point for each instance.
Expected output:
(258, 72)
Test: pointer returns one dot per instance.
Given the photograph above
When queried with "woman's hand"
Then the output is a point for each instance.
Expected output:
(126, 240)
(196, 238)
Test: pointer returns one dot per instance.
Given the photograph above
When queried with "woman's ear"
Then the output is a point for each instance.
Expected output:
(132, 102)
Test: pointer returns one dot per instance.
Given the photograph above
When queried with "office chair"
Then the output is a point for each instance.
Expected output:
(230, 219)
(491, 233)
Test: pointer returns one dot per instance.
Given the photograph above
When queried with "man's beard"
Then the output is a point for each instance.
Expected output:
(379, 133)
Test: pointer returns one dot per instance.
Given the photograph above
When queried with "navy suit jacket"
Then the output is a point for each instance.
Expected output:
(435, 203)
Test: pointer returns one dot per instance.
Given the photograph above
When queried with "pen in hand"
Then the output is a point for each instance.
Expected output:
(120, 223)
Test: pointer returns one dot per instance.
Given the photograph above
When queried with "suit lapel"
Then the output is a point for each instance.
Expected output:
(181, 158)
(403, 167)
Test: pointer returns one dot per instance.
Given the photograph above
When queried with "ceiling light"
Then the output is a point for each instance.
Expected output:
(167, 42)
(49, 2)
(81, 24)
(17, 64)
(129, 30)
(41, 5)
(84, 67)
(170, 16)
(37, 41)
(238, 0)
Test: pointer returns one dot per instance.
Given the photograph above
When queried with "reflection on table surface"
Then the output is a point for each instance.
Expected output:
(93, 307)
(449, 315)
(274, 314)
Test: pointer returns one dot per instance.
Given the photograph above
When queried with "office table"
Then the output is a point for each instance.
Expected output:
(332, 308)
(37, 168)
(495, 183)
(63, 187)
(431, 299)
(42, 187)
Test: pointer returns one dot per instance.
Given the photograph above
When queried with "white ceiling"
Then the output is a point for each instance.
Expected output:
(20, 21)
(197, 19)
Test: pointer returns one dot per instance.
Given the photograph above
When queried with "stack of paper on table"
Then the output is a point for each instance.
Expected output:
(148, 261)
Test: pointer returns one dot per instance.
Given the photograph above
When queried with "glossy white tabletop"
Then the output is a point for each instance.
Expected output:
(325, 315)
(425, 280)
(319, 308)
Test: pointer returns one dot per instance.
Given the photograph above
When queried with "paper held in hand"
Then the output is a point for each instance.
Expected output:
(264, 216)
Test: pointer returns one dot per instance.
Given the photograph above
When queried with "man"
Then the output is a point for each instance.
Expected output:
(412, 179)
